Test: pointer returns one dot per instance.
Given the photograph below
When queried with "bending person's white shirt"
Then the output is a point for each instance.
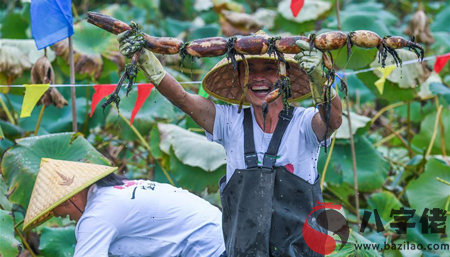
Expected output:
(146, 218)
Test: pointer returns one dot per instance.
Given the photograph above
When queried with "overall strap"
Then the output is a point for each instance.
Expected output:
(283, 121)
(251, 158)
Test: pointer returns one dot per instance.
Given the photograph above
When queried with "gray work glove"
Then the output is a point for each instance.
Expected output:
(147, 62)
(312, 63)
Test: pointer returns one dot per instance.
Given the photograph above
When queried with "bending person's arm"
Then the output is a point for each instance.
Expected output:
(200, 109)
(94, 238)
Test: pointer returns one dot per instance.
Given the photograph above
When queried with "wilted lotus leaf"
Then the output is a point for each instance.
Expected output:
(406, 76)
(28, 47)
(115, 56)
(419, 26)
(13, 62)
(203, 5)
(220, 5)
(266, 17)
(42, 73)
(84, 63)
(236, 23)
(90, 44)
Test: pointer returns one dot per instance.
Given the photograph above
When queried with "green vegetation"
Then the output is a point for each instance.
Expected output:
(401, 147)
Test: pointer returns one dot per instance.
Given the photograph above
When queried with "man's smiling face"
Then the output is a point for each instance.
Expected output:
(262, 76)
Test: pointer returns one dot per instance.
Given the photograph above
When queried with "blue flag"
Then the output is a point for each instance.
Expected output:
(51, 21)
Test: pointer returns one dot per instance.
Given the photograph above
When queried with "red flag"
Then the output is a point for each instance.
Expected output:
(441, 61)
(144, 91)
(296, 6)
(100, 92)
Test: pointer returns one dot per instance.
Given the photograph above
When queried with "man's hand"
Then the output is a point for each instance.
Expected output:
(148, 63)
(312, 62)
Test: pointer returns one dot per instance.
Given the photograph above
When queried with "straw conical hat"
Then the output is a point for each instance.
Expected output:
(222, 82)
(56, 182)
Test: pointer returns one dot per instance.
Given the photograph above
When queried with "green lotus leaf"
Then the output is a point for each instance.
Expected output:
(359, 58)
(358, 121)
(392, 92)
(1, 133)
(58, 242)
(427, 191)
(350, 250)
(175, 27)
(441, 44)
(194, 178)
(5, 204)
(442, 90)
(440, 22)
(423, 138)
(21, 163)
(415, 234)
(57, 120)
(372, 168)
(191, 148)
(384, 202)
(210, 30)
(156, 107)
(90, 45)
(13, 25)
(9, 246)
(4, 145)
(358, 91)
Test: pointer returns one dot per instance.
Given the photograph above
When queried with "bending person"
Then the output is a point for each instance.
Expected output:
(117, 217)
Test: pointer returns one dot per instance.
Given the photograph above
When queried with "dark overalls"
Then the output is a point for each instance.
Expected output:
(265, 207)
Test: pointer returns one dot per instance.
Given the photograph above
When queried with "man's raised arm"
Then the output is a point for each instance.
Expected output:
(311, 62)
(199, 108)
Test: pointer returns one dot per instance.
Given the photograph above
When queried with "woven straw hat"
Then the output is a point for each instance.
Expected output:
(56, 182)
(222, 82)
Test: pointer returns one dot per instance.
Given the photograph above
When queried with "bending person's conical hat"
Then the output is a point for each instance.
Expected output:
(222, 82)
(56, 182)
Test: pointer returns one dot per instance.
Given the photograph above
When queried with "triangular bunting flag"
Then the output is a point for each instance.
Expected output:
(101, 91)
(296, 6)
(380, 82)
(32, 95)
(441, 61)
(143, 93)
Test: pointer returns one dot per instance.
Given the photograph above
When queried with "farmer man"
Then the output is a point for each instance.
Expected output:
(271, 184)
(116, 217)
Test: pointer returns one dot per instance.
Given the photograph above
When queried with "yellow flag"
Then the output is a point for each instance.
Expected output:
(32, 95)
(386, 71)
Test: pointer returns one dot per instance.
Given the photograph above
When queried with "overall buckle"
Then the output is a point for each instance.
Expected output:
(251, 160)
(269, 160)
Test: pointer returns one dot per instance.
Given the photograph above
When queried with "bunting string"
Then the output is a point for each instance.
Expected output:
(440, 63)
(442, 60)
(34, 92)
